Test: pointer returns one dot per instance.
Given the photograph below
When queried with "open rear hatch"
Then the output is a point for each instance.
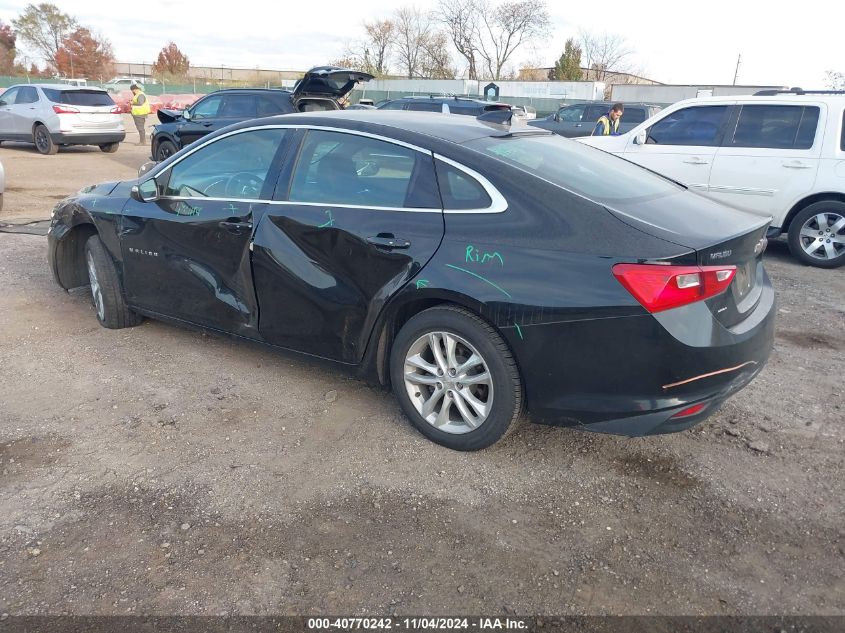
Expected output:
(721, 236)
(329, 81)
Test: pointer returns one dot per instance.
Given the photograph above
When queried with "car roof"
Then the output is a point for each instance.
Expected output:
(780, 98)
(63, 87)
(453, 128)
(448, 98)
(249, 90)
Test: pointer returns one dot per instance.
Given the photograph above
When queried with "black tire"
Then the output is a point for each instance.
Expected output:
(504, 393)
(109, 148)
(43, 141)
(110, 307)
(164, 150)
(805, 233)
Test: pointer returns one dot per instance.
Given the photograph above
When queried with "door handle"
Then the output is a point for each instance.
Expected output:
(696, 161)
(235, 226)
(577, 125)
(209, 124)
(797, 164)
(388, 242)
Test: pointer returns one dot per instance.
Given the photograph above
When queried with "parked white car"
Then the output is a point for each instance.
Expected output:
(778, 154)
(119, 84)
(51, 115)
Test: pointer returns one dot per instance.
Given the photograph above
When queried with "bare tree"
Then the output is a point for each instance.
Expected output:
(380, 35)
(604, 54)
(436, 62)
(461, 19)
(413, 28)
(835, 80)
(506, 27)
(43, 27)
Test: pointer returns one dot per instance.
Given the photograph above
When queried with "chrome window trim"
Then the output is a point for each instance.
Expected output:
(498, 202)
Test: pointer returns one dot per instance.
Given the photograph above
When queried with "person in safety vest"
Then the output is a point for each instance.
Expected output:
(608, 124)
(140, 110)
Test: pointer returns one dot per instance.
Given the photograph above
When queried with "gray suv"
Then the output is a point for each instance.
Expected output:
(579, 119)
(50, 115)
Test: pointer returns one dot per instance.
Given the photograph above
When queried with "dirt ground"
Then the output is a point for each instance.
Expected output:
(157, 470)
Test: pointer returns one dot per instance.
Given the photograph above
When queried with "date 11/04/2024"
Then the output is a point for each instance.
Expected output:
(416, 624)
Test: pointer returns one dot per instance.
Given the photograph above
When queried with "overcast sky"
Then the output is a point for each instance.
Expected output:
(674, 42)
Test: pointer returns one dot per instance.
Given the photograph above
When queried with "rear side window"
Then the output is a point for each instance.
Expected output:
(423, 106)
(338, 168)
(468, 109)
(393, 105)
(776, 126)
(697, 126)
(460, 190)
(842, 139)
(28, 94)
(239, 107)
(267, 107)
(79, 97)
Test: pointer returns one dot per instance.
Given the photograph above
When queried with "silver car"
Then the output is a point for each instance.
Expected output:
(50, 115)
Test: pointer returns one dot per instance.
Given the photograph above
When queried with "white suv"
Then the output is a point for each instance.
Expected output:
(778, 154)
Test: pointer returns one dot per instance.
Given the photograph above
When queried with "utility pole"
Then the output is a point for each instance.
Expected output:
(736, 72)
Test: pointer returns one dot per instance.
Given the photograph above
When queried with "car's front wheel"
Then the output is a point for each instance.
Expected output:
(43, 141)
(455, 378)
(164, 150)
(106, 293)
(817, 234)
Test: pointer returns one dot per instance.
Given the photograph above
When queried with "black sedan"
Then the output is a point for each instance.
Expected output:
(320, 89)
(477, 269)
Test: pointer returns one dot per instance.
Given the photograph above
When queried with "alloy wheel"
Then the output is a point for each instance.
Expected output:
(448, 382)
(41, 140)
(823, 235)
(96, 291)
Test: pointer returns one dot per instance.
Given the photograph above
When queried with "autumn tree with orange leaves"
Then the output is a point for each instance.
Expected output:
(81, 54)
(171, 62)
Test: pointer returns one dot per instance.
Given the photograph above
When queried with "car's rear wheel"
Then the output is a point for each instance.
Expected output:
(455, 378)
(109, 148)
(817, 234)
(43, 141)
(164, 150)
(106, 293)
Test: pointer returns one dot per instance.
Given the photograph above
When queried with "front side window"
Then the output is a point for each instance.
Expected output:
(571, 114)
(207, 108)
(698, 126)
(233, 167)
(776, 126)
(338, 168)
(9, 97)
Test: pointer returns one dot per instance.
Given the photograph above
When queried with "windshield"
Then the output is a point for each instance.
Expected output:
(79, 97)
(584, 170)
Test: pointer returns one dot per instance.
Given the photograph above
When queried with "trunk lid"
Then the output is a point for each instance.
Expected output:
(720, 236)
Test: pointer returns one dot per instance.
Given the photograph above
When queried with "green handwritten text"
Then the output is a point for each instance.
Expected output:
(475, 256)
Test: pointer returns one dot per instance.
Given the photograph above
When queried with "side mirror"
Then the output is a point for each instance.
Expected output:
(186, 114)
(557, 116)
(640, 138)
(146, 191)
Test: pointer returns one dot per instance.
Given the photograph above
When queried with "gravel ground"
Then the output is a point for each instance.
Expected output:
(158, 470)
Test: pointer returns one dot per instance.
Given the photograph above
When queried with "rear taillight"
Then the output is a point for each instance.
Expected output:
(115, 110)
(690, 411)
(660, 288)
(65, 109)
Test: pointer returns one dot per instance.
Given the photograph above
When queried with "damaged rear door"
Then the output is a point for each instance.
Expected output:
(357, 217)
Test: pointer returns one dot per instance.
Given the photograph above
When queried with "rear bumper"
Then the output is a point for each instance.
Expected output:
(631, 375)
(88, 138)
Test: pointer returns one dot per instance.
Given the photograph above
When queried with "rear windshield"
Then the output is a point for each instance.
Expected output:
(79, 97)
(579, 168)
